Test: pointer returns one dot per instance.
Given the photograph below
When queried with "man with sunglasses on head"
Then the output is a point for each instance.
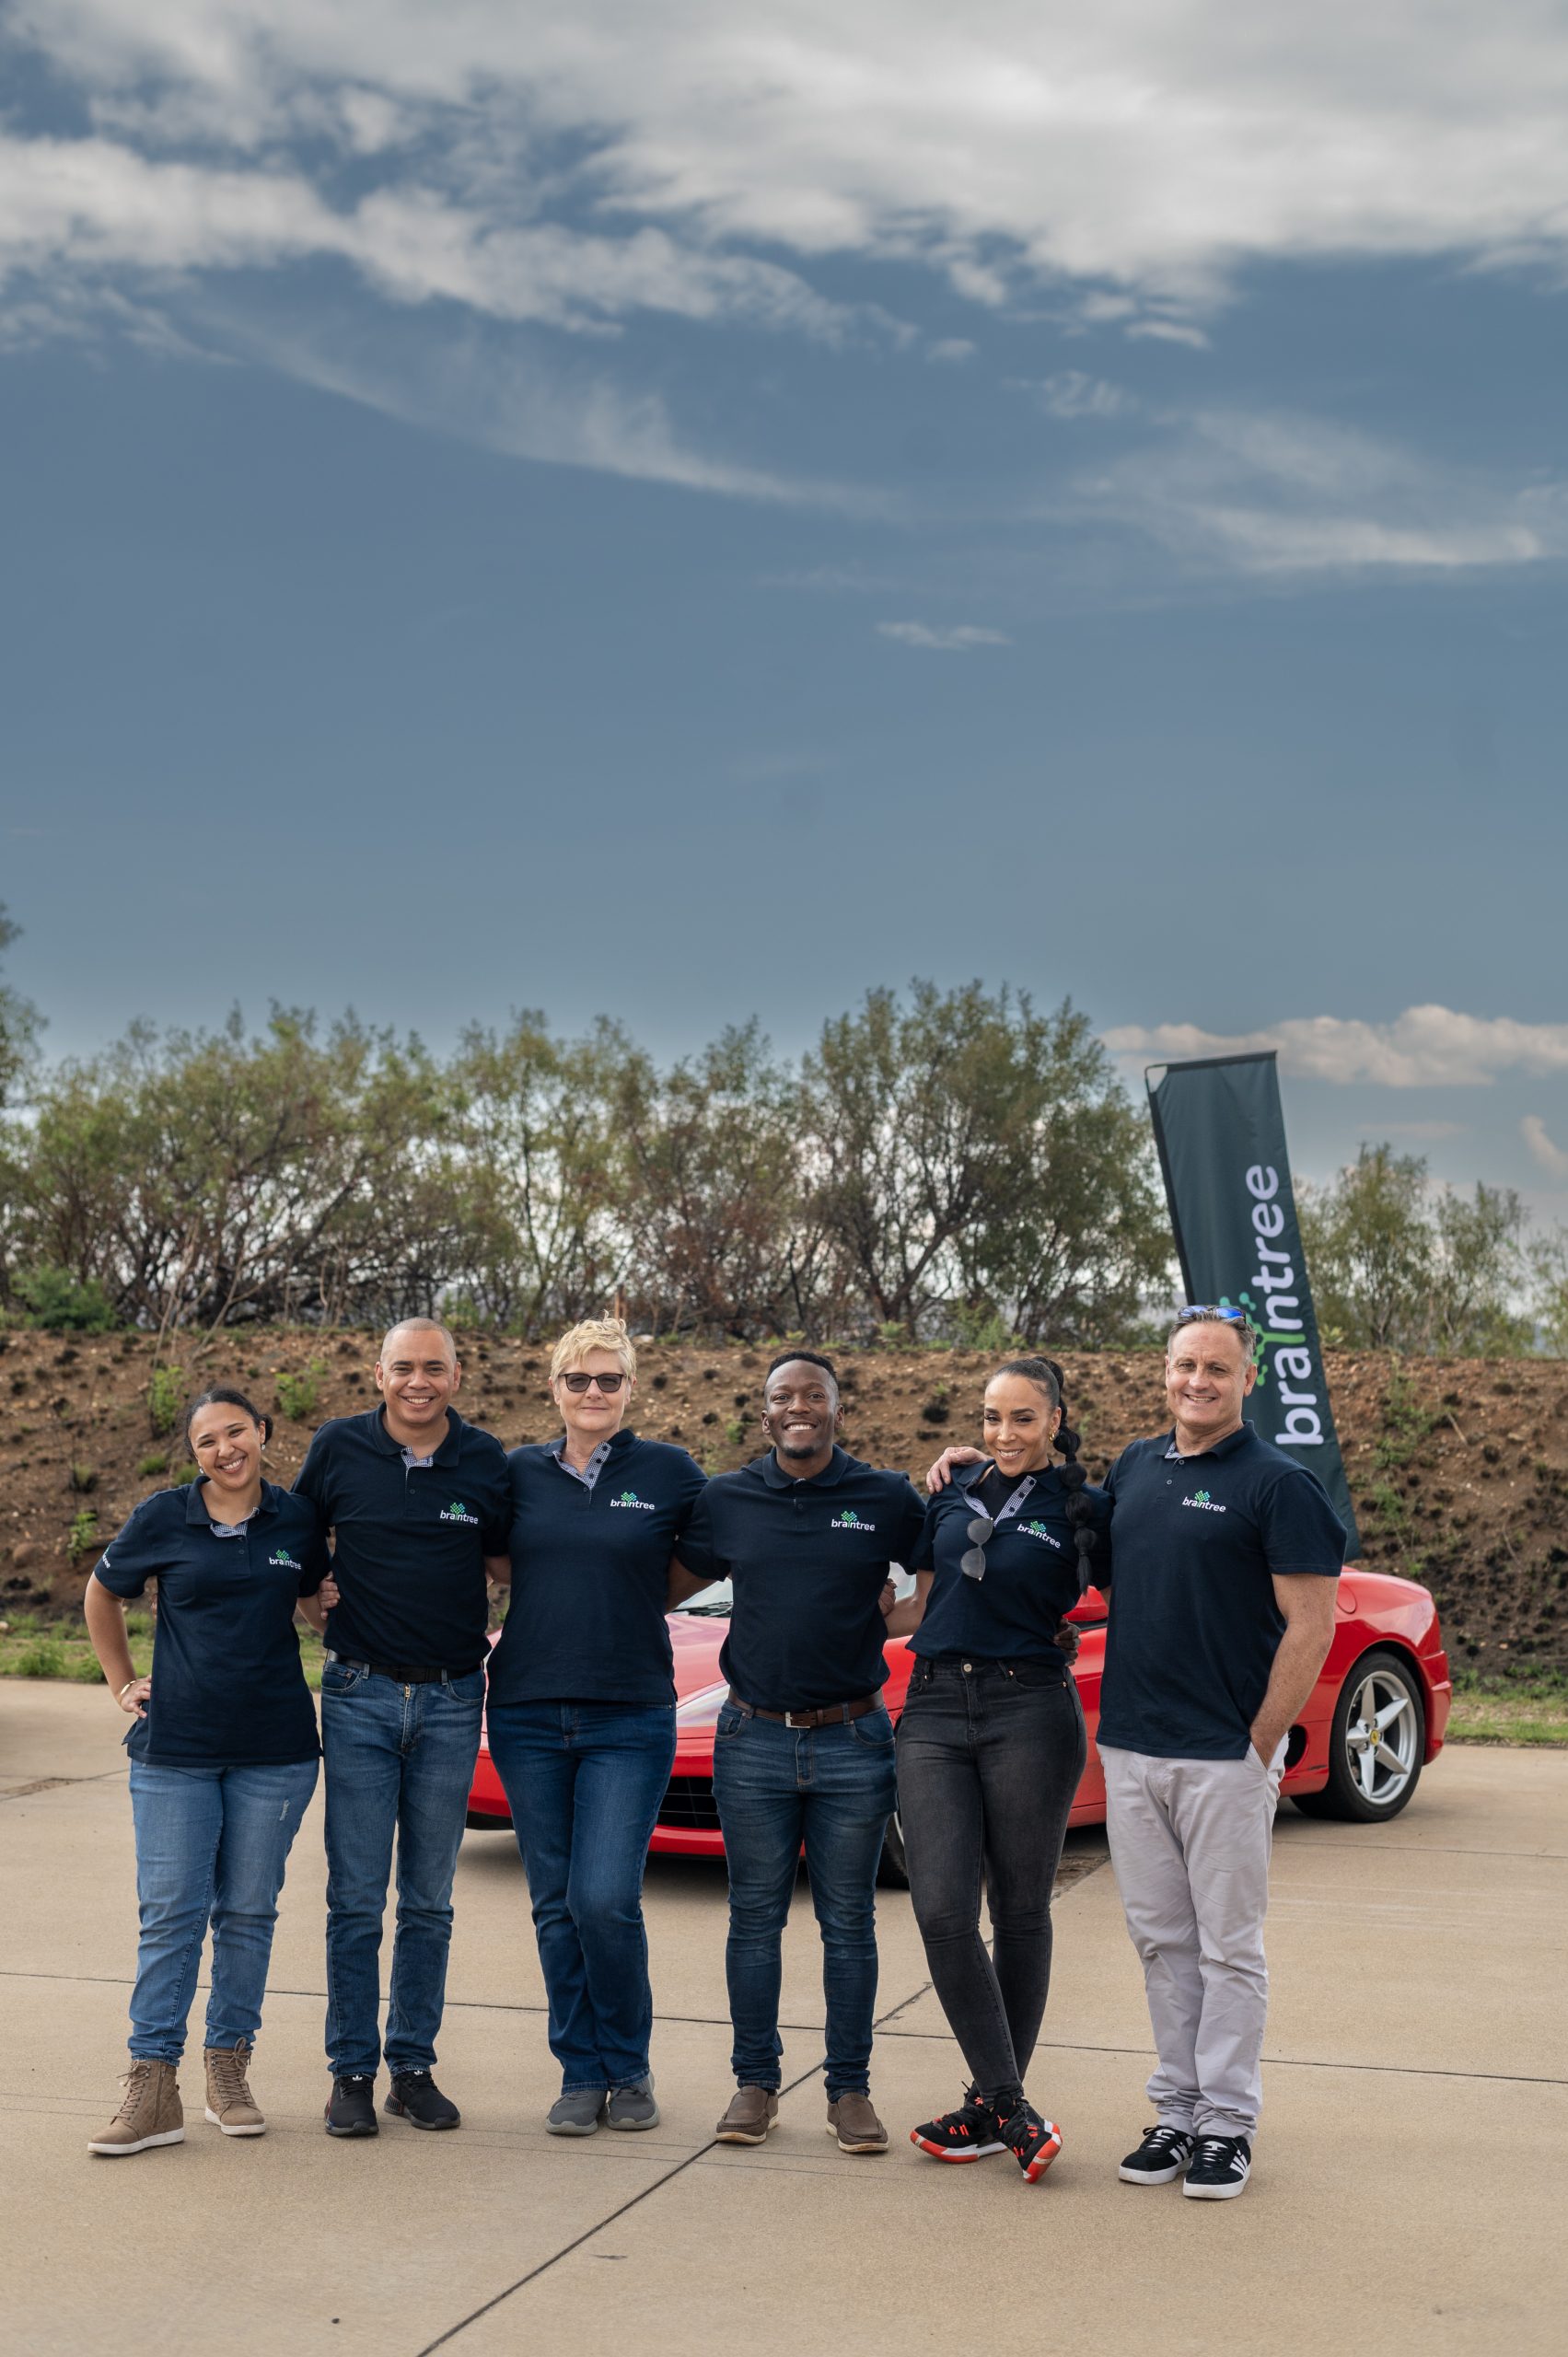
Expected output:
(1226, 1569)
(803, 1751)
(419, 1505)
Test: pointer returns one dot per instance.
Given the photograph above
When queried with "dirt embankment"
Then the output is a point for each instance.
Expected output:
(1459, 1469)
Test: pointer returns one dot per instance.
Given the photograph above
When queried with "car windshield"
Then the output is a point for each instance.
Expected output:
(709, 1603)
(714, 1603)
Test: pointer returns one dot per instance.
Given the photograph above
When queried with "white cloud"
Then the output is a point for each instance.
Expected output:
(1552, 1158)
(1140, 147)
(954, 639)
(1425, 1047)
(513, 403)
(1072, 393)
(1283, 494)
(952, 350)
(96, 206)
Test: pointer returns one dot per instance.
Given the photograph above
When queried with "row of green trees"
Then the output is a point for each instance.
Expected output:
(1399, 1265)
(942, 1166)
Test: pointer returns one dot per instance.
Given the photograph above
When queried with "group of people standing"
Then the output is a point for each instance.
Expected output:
(404, 1520)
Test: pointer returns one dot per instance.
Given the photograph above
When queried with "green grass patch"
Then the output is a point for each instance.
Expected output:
(34, 1647)
(1531, 1710)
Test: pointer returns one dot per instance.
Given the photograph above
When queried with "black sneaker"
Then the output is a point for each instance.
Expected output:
(1034, 2142)
(971, 2133)
(1160, 2158)
(351, 2107)
(1221, 2169)
(416, 2098)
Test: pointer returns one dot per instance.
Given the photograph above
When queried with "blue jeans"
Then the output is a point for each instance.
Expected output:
(211, 1848)
(832, 1789)
(583, 1782)
(399, 1758)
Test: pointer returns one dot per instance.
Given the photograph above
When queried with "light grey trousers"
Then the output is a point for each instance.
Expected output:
(1190, 1842)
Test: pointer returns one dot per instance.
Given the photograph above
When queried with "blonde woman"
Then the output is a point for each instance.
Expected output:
(581, 1714)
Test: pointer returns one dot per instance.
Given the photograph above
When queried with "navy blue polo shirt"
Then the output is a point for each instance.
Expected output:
(807, 1560)
(228, 1690)
(409, 1541)
(1194, 1625)
(590, 1573)
(1031, 1568)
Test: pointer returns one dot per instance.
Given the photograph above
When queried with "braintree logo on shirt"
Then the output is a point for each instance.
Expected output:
(457, 1512)
(284, 1560)
(1201, 1498)
(1039, 1530)
(850, 1520)
(630, 1498)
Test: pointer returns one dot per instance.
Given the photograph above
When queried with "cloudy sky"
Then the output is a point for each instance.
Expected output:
(690, 509)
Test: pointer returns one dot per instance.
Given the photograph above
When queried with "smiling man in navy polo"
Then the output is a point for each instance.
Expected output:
(803, 1752)
(419, 1504)
(1226, 1569)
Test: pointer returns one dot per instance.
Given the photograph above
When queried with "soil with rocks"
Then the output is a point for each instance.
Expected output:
(1458, 1468)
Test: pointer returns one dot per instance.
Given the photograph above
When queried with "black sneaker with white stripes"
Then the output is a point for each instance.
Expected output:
(1220, 2168)
(1159, 2159)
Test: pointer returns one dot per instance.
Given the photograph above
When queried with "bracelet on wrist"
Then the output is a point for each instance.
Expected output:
(125, 1690)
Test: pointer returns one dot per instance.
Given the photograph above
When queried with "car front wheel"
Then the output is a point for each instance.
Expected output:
(1377, 1743)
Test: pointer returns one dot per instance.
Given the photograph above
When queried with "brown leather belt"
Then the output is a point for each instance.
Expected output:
(830, 1714)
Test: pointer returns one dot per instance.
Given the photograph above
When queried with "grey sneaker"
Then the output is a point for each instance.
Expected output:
(578, 2112)
(633, 2107)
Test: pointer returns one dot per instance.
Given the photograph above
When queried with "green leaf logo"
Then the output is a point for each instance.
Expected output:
(629, 1497)
(1201, 1498)
(849, 1514)
(457, 1507)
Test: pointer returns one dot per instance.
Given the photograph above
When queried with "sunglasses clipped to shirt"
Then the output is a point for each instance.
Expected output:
(973, 1561)
(608, 1384)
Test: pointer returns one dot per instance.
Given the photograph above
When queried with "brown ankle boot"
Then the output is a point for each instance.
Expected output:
(231, 2104)
(150, 2114)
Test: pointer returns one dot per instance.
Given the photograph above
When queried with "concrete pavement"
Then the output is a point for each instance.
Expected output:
(1409, 2181)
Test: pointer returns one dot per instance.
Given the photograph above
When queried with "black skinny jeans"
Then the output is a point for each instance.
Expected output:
(989, 1754)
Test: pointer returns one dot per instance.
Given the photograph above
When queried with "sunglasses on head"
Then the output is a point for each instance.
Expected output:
(1217, 1311)
(608, 1384)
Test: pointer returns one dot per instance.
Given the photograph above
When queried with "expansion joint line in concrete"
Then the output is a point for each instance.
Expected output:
(53, 1784)
(443, 2340)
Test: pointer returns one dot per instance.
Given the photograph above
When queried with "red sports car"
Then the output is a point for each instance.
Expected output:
(1374, 1718)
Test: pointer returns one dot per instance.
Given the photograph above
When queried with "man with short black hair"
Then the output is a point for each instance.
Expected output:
(803, 1751)
(1227, 1555)
(420, 1505)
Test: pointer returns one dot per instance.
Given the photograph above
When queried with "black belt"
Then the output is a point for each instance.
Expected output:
(403, 1673)
(927, 1666)
(826, 1714)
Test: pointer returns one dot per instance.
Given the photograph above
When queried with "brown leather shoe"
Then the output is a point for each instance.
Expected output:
(751, 2115)
(856, 2126)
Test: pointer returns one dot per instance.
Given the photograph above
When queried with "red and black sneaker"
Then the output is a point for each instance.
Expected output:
(1034, 2142)
(971, 2133)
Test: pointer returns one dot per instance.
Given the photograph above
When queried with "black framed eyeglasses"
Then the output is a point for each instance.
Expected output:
(609, 1384)
(972, 1563)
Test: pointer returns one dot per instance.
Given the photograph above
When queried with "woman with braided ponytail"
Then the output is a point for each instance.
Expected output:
(990, 1745)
